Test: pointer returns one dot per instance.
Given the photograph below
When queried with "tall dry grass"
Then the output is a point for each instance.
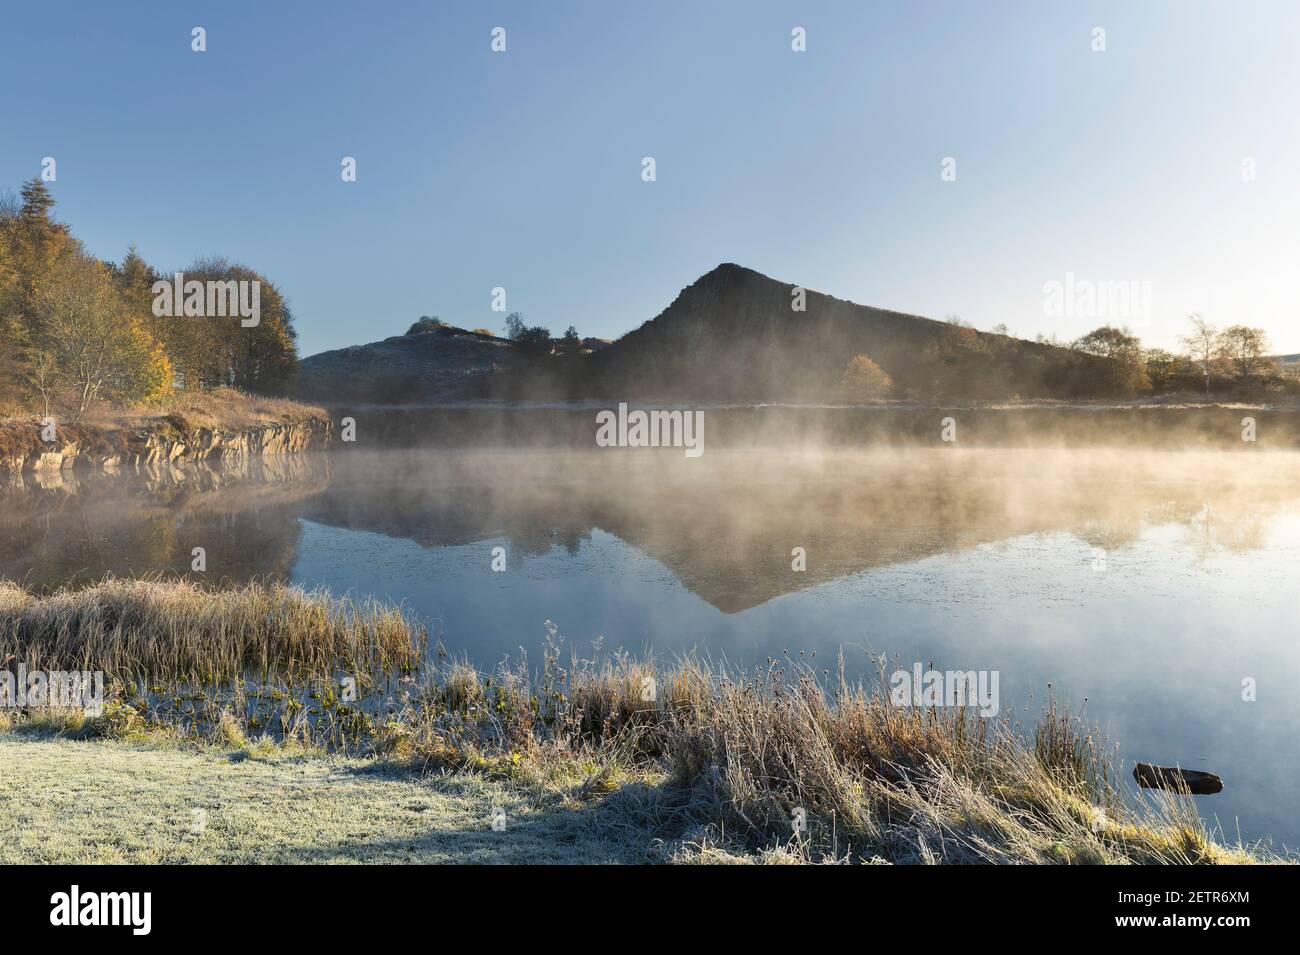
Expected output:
(706, 762)
(172, 631)
(218, 408)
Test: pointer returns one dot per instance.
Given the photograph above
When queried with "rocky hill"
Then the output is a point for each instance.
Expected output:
(735, 334)
(432, 361)
(732, 335)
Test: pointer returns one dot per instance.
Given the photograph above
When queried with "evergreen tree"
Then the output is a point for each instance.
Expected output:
(37, 203)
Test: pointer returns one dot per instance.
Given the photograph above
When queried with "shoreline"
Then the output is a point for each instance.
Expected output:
(714, 761)
(106, 802)
(993, 425)
(122, 440)
(224, 425)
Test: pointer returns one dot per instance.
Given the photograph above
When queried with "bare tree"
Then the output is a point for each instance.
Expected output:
(44, 377)
(1202, 346)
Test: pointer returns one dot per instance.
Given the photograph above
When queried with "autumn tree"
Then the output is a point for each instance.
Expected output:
(864, 380)
(85, 346)
(75, 330)
(31, 246)
(1122, 352)
(39, 243)
(1245, 349)
(1163, 367)
(134, 279)
(230, 351)
(11, 329)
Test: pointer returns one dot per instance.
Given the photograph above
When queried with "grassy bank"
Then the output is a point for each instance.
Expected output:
(177, 633)
(68, 802)
(189, 424)
(680, 762)
(220, 408)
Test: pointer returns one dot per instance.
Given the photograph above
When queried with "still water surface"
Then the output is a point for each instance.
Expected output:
(1149, 585)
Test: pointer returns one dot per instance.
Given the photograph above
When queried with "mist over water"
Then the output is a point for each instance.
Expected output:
(1149, 583)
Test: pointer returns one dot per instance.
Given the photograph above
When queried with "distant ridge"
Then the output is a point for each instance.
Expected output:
(731, 335)
(433, 360)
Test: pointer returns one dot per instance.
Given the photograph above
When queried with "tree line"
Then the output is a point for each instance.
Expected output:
(78, 331)
(1237, 355)
(536, 339)
(1107, 362)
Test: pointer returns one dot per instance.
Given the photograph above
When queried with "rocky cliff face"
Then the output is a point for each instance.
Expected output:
(22, 448)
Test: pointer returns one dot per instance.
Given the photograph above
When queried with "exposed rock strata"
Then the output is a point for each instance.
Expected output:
(22, 449)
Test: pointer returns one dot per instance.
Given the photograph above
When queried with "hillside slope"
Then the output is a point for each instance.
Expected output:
(733, 335)
(436, 362)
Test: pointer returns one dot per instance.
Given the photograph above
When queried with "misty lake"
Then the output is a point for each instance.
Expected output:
(1157, 586)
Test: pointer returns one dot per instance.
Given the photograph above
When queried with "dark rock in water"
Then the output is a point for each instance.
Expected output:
(1166, 777)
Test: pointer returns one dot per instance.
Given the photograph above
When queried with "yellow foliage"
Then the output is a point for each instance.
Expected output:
(864, 380)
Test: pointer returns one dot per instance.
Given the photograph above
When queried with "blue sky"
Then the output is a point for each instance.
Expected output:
(522, 169)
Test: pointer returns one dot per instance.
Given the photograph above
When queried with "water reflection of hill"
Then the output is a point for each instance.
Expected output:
(63, 527)
(726, 524)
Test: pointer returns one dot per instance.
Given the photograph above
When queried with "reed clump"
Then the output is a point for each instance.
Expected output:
(179, 633)
(702, 762)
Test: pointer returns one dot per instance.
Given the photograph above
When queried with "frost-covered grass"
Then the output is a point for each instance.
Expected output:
(712, 764)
